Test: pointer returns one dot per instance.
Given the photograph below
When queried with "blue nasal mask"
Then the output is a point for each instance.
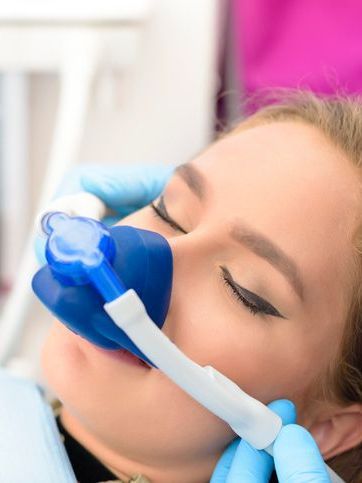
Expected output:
(84, 257)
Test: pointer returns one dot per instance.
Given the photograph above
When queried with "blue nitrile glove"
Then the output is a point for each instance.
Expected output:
(123, 189)
(128, 188)
(296, 456)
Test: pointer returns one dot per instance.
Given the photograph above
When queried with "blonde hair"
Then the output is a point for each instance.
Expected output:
(339, 118)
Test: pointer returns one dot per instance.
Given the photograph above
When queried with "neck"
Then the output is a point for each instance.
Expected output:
(193, 471)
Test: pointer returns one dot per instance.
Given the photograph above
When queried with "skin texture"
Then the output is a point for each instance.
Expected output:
(285, 181)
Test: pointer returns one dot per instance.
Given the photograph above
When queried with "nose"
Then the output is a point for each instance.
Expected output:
(191, 251)
(192, 258)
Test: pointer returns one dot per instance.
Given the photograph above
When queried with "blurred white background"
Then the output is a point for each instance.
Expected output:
(146, 76)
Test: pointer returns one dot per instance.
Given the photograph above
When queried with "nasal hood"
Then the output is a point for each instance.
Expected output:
(143, 261)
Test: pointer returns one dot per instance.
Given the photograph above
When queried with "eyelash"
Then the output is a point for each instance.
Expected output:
(250, 306)
(160, 211)
(264, 307)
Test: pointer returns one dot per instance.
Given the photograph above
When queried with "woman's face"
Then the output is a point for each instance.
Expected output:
(258, 228)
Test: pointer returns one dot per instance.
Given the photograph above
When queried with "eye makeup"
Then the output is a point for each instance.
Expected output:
(254, 303)
(160, 210)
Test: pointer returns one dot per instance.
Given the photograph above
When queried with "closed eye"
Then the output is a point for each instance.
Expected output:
(254, 303)
(160, 211)
(250, 300)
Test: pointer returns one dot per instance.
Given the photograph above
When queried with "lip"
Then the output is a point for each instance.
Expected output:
(124, 356)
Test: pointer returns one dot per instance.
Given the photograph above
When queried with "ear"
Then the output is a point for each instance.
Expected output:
(339, 432)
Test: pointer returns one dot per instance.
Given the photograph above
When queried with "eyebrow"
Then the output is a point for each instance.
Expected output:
(256, 242)
(193, 178)
(265, 248)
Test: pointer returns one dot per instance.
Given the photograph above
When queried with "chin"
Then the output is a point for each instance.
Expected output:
(81, 374)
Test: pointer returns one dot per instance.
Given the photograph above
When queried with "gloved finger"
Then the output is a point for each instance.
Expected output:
(297, 457)
(240, 460)
(252, 466)
(120, 186)
(71, 181)
(222, 468)
(285, 409)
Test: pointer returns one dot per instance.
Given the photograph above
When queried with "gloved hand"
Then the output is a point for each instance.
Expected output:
(123, 189)
(296, 456)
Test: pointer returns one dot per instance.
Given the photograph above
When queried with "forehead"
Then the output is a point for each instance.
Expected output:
(288, 181)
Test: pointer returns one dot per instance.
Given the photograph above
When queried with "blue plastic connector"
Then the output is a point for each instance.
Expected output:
(80, 250)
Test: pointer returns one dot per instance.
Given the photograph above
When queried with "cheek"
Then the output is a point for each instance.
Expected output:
(268, 358)
(65, 367)
(212, 330)
(59, 356)
(124, 407)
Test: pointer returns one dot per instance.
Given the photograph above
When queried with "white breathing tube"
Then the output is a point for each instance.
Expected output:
(249, 418)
